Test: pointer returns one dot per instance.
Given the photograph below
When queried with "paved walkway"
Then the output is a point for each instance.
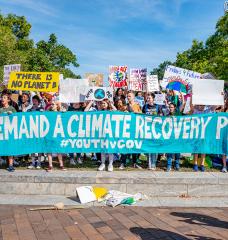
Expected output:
(131, 223)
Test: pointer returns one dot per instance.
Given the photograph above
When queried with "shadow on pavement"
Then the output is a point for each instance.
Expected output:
(156, 233)
(200, 219)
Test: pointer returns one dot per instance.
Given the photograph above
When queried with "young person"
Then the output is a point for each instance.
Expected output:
(119, 94)
(36, 107)
(11, 102)
(56, 106)
(173, 156)
(224, 157)
(24, 104)
(122, 106)
(78, 108)
(151, 108)
(198, 109)
(105, 105)
(6, 108)
(132, 106)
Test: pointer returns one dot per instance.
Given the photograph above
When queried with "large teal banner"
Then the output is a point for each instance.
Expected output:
(112, 132)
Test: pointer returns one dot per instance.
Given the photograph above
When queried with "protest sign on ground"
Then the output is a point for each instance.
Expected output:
(99, 93)
(137, 81)
(117, 76)
(208, 92)
(34, 81)
(8, 69)
(112, 132)
(159, 99)
(152, 83)
(73, 90)
(95, 79)
(185, 76)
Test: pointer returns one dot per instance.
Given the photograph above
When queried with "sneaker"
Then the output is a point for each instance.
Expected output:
(94, 158)
(49, 169)
(79, 161)
(177, 168)
(168, 169)
(72, 162)
(195, 167)
(122, 167)
(62, 168)
(10, 169)
(38, 167)
(152, 168)
(101, 167)
(202, 168)
(137, 166)
(110, 168)
(224, 170)
(31, 166)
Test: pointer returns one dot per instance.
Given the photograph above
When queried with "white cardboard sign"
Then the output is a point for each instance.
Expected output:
(8, 69)
(137, 80)
(208, 92)
(99, 93)
(152, 83)
(72, 90)
(86, 194)
(184, 75)
(159, 99)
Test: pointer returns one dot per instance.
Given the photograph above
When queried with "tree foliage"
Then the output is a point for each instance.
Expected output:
(211, 56)
(17, 47)
(160, 69)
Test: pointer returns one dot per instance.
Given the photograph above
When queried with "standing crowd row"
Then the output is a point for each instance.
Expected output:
(124, 101)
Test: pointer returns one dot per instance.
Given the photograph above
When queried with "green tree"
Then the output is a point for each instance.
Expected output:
(17, 47)
(160, 70)
(52, 56)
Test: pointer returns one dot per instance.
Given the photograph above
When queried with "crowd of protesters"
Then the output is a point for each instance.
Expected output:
(124, 101)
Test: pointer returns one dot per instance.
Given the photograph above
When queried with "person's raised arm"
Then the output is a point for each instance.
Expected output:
(113, 108)
(89, 106)
(182, 103)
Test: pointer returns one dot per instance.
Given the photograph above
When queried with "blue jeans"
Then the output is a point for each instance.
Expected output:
(152, 159)
(170, 157)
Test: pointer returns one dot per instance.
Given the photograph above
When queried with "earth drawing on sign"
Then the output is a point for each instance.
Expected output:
(99, 94)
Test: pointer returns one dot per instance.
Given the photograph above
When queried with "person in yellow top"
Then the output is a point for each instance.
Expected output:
(133, 106)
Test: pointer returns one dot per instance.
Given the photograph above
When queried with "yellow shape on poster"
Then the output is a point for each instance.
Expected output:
(34, 81)
(100, 192)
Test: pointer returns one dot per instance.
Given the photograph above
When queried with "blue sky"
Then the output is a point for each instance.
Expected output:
(136, 33)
